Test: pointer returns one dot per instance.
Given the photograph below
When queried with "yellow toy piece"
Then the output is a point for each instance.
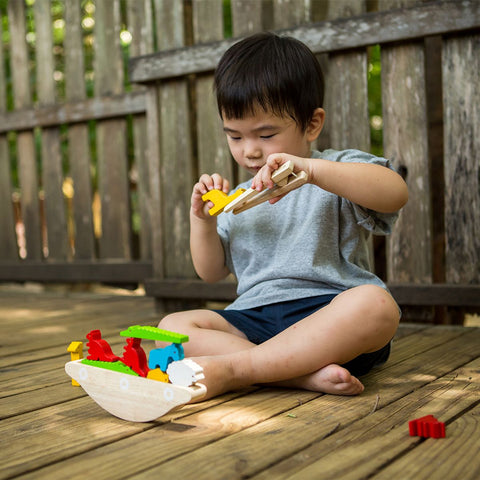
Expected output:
(157, 374)
(76, 353)
(220, 200)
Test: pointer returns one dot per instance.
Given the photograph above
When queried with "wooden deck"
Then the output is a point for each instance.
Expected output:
(51, 430)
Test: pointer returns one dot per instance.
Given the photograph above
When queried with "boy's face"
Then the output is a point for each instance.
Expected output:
(252, 139)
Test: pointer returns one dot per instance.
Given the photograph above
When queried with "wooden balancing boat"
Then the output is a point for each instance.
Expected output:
(129, 387)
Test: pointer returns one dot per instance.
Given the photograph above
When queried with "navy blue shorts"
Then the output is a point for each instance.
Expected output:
(262, 323)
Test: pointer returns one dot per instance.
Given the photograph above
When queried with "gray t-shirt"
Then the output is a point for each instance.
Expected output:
(310, 243)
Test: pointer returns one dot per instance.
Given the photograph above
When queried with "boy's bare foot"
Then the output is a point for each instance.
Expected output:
(218, 376)
(332, 379)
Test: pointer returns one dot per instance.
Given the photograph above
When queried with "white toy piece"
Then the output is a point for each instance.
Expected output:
(185, 372)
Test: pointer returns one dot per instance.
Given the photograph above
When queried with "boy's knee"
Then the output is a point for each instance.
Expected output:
(170, 321)
(379, 304)
(383, 306)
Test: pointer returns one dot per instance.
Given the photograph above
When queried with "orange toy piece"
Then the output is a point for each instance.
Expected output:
(134, 357)
(98, 348)
(157, 374)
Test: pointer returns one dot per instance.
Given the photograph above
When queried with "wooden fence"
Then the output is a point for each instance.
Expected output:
(429, 63)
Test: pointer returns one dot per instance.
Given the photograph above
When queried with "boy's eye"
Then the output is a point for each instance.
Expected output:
(267, 136)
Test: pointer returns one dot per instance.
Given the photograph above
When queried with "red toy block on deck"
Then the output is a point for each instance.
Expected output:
(134, 357)
(98, 348)
(427, 427)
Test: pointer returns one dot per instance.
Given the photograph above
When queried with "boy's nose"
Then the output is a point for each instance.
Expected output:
(252, 151)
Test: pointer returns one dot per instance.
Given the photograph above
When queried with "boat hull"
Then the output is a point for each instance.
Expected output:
(132, 398)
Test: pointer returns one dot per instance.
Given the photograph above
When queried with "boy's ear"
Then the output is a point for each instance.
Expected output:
(316, 124)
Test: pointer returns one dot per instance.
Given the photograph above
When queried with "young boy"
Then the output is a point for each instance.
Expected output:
(309, 313)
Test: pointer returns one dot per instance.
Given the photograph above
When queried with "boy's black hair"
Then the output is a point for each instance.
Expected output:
(278, 73)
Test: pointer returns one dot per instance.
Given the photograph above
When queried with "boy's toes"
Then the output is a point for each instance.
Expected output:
(337, 380)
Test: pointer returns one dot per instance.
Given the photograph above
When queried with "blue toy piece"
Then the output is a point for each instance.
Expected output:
(162, 357)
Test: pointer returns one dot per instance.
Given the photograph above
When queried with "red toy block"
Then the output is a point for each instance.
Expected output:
(98, 348)
(134, 357)
(427, 427)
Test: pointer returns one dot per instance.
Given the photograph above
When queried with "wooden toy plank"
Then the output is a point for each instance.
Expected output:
(298, 181)
(280, 176)
(153, 333)
(244, 197)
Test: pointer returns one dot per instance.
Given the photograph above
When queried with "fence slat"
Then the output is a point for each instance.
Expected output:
(213, 153)
(461, 64)
(177, 165)
(8, 242)
(249, 17)
(26, 164)
(52, 174)
(140, 26)
(115, 241)
(78, 148)
(406, 144)
(346, 92)
(290, 13)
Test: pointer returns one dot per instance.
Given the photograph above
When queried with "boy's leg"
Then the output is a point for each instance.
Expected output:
(209, 333)
(308, 353)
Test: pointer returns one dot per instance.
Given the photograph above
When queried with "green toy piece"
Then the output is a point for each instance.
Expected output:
(154, 333)
(115, 366)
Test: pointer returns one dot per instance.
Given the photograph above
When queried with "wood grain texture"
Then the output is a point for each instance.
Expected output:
(115, 241)
(140, 25)
(405, 144)
(8, 241)
(26, 159)
(343, 34)
(461, 63)
(431, 371)
(213, 153)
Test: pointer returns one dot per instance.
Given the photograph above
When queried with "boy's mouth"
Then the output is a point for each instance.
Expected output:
(254, 170)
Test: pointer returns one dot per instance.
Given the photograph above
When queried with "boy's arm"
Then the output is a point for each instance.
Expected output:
(369, 185)
(205, 245)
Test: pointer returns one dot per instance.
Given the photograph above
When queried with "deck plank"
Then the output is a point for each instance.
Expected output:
(454, 457)
(257, 432)
(248, 452)
(381, 437)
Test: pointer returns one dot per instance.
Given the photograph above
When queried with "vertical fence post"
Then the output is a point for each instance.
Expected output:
(78, 148)
(8, 242)
(27, 165)
(346, 94)
(461, 97)
(112, 165)
(140, 25)
(213, 153)
(247, 18)
(409, 249)
(52, 173)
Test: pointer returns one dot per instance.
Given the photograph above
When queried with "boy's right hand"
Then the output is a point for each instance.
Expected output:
(206, 183)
